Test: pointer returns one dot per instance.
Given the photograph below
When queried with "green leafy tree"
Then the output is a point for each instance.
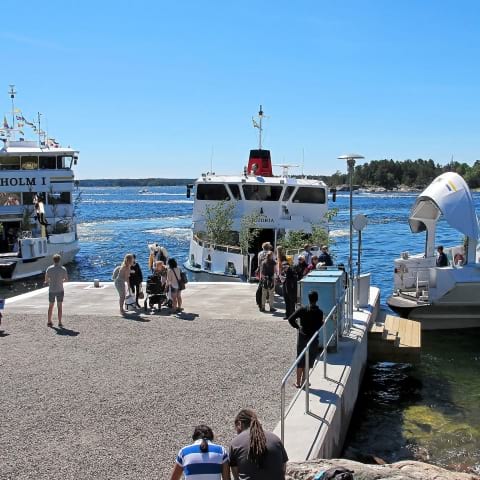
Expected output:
(248, 230)
(219, 221)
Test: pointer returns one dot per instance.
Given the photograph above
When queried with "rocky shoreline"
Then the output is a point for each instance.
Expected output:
(405, 470)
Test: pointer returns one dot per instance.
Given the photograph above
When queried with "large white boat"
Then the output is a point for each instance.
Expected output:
(441, 297)
(37, 217)
(279, 204)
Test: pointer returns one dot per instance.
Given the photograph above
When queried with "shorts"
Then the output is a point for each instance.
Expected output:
(55, 295)
(173, 290)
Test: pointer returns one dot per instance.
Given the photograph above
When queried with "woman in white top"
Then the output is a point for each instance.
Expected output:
(122, 279)
(173, 276)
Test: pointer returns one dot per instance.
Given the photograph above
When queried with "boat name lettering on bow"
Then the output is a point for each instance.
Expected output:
(21, 181)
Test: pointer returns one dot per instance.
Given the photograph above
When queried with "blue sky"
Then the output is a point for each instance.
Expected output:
(152, 88)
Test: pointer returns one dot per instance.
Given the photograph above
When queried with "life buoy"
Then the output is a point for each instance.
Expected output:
(458, 259)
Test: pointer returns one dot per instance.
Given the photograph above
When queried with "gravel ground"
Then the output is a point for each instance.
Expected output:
(115, 398)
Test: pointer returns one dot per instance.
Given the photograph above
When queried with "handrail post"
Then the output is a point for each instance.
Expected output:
(324, 351)
(282, 417)
(306, 371)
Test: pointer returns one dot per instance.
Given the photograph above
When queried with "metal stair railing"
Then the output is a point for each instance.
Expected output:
(332, 318)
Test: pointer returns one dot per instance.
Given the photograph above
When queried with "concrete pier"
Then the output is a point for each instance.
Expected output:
(114, 397)
(321, 433)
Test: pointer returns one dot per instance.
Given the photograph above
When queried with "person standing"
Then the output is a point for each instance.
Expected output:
(256, 454)
(262, 255)
(307, 254)
(173, 277)
(325, 257)
(289, 288)
(307, 320)
(55, 275)
(203, 459)
(442, 260)
(121, 279)
(267, 280)
(301, 268)
(135, 279)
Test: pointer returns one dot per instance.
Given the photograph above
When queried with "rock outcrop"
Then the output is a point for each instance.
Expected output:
(405, 470)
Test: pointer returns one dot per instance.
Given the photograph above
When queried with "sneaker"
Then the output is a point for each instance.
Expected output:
(262, 309)
(273, 310)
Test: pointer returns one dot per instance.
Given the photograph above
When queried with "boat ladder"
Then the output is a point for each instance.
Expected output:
(421, 290)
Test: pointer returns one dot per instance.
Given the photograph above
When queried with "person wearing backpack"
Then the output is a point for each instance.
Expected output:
(267, 280)
(175, 282)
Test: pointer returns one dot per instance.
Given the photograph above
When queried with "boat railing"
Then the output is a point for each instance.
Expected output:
(330, 325)
(216, 246)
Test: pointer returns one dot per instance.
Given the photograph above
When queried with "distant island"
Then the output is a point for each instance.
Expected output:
(135, 182)
(384, 174)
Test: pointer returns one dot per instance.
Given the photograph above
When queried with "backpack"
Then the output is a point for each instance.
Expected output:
(116, 272)
(335, 473)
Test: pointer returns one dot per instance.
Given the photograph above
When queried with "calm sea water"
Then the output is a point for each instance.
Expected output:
(433, 408)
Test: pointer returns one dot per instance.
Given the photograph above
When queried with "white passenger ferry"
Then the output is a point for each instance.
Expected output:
(280, 203)
(37, 217)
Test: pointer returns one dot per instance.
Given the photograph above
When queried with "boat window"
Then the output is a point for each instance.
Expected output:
(212, 191)
(235, 191)
(27, 198)
(49, 163)
(64, 162)
(266, 193)
(288, 194)
(8, 199)
(58, 198)
(10, 163)
(309, 195)
(29, 163)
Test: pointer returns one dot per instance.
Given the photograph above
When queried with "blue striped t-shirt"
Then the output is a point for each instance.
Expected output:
(198, 465)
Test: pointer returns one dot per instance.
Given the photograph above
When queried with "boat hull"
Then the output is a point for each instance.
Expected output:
(16, 268)
(437, 316)
(200, 275)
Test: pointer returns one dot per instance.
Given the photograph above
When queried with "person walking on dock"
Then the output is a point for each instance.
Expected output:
(307, 320)
(55, 275)
(203, 459)
(254, 453)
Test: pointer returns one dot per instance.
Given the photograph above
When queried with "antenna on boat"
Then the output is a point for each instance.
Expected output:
(12, 93)
(39, 130)
(285, 168)
(303, 159)
(211, 160)
(259, 126)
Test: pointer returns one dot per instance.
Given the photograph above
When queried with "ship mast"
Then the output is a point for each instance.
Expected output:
(259, 126)
(12, 93)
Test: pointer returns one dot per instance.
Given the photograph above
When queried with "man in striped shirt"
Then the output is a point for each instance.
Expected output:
(203, 459)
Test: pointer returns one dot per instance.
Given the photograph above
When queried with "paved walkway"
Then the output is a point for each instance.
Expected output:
(112, 397)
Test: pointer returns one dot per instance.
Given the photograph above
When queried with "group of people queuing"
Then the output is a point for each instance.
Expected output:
(277, 270)
(307, 319)
(128, 279)
(254, 453)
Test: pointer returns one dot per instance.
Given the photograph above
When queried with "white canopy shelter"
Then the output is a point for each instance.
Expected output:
(447, 195)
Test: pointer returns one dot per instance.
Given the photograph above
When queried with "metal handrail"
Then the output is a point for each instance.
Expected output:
(331, 317)
(207, 243)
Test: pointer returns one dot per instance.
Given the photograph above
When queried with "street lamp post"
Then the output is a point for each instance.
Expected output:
(350, 158)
